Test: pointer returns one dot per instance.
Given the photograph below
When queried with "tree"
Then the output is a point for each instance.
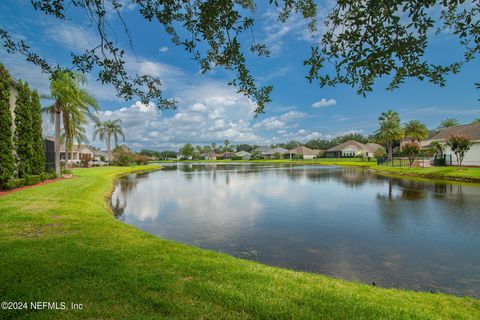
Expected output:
(437, 148)
(122, 155)
(447, 123)
(38, 159)
(23, 136)
(411, 150)
(244, 147)
(73, 124)
(389, 131)
(226, 143)
(69, 97)
(459, 144)
(108, 129)
(380, 153)
(362, 40)
(7, 160)
(187, 150)
(213, 146)
(476, 120)
(415, 130)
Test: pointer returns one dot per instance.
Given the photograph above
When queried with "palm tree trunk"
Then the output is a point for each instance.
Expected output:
(57, 144)
(390, 151)
(108, 149)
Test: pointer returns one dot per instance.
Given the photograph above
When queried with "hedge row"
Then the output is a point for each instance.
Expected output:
(27, 181)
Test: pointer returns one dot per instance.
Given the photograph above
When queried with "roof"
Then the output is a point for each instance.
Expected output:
(76, 147)
(275, 150)
(304, 151)
(472, 131)
(242, 153)
(261, 149)
(370, 147)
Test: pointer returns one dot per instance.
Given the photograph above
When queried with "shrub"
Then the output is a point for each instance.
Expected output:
(32, 179)
(460, 145)
(15, 183)
(140, 159)
(123, 156)
(85, 160)
(380, 153)
(237, 158)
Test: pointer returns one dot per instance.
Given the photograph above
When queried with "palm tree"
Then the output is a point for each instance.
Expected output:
(106, 129)
(415, 130)
(437, 148)
(69, 98)
(390, 116)
(389, 130)
(449, 122)
(226, 143)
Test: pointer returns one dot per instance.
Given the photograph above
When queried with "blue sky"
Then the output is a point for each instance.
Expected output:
(209, 110)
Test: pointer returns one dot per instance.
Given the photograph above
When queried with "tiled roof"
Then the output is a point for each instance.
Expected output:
(304, 151)
(370, 147)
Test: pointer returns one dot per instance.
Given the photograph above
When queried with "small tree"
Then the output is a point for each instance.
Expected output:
(459, 144)
(411, 150)
(140, 159)
(38, 159)
(437, 149)
(85, 160)
(23, 138)
(123, 156)
(7, 161)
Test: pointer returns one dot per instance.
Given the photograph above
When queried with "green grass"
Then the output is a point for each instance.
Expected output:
(59, 242)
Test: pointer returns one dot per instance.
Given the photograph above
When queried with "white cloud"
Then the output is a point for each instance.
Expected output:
(324, 103)
(279, 122)
(163, 49)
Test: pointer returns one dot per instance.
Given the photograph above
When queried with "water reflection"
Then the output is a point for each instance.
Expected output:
(345, 222)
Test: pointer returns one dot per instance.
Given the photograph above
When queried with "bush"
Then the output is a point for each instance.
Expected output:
(15, 183)
(123, 156)
(237, 158)
(380, 153)
(85, 160)
(140, 159)
(32, 179)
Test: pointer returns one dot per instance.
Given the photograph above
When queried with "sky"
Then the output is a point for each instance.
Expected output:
(211, 111)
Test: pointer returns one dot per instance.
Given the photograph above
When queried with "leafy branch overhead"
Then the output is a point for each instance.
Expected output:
(361, 41)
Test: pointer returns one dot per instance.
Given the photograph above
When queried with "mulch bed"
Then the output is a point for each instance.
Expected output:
(5, 192)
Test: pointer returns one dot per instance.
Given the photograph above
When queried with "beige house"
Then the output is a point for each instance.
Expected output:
(471, 131)
(75, 154)
(352, 149)
(306, 153)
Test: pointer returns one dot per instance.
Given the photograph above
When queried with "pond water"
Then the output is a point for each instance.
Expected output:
(344, 222)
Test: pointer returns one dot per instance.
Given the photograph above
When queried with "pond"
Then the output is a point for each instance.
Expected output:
(344, 222)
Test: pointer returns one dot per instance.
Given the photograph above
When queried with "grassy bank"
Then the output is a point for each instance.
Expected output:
(449, 172)
(59, 242)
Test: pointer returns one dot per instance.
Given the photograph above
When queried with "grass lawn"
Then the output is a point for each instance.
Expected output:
(59, 242)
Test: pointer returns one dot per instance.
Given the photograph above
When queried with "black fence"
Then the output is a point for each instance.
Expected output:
(420, 162)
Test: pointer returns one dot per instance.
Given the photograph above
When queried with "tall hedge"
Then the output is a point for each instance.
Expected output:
(23, 138)
(7, 160)
(38, 155)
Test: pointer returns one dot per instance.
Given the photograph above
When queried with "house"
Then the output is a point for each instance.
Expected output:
(304, 152)
(472, 131)
(352, 149)
(274, 152)
(261, 151)
(244, 155)
(76, 153)
(227, 155)
(209, 155)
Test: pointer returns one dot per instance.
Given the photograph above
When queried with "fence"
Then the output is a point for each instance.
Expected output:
(346, 159)
(420, 162)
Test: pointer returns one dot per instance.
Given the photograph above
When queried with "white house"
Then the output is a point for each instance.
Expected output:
(306, 153)
(472, 131)
(351, 149)
(244, 155)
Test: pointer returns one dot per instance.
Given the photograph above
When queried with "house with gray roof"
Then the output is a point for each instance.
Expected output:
(471, 131)
(304, 152)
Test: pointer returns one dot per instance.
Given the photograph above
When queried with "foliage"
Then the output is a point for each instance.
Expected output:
(476, 120)
(140, 159)
(460, 145)
(447, 123)
(23, 136)
(122, 155)
(380, 153)
(85, 159)
(244, 147)
(7, 160)
(38, 156)
(106, 129)
(367, 40)
(70, 101)
(165, 155)
(187, 150)
(389, 131)
(415, 130)
(437, 148)
(411, 150)
(256, 155)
